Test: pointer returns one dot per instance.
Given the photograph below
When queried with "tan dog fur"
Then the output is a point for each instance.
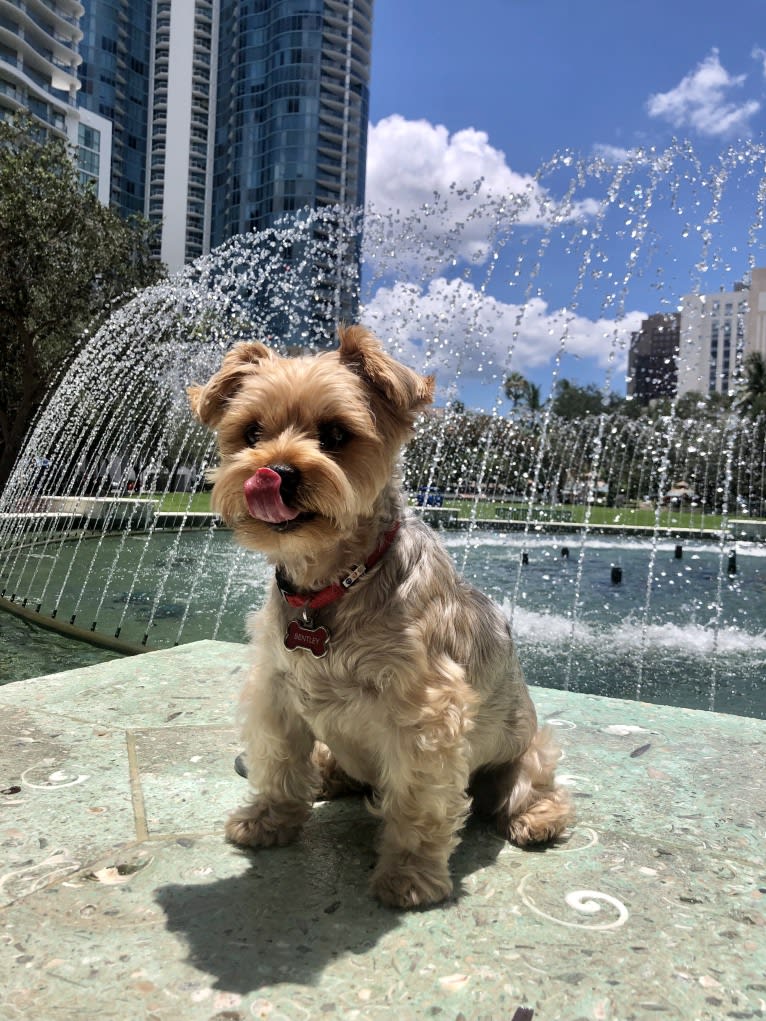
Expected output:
(420, 696)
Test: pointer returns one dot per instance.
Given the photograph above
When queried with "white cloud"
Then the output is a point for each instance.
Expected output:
(702, 101)
(457, 331)
(759, 54)
(615, 155)
(436, 200)
(612, 153)
(453, 191)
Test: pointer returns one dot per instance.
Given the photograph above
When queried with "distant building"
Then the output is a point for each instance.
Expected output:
(652, 358)
(712, 344)
(39, 60)
(228, 114)
(755, 337)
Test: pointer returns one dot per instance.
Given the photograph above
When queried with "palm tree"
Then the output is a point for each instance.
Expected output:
(533, 397)
(751, 393)
(519, 390)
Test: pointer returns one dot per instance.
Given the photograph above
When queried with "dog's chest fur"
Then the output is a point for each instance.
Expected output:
(341, 698)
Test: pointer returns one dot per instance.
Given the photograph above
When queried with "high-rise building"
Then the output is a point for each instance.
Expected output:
(712, 341)
(181, 118)
(93, 148)
(114, 73)
(755, 337)
(652, 358)
(291, 109)
(39, 61)
(229, 113)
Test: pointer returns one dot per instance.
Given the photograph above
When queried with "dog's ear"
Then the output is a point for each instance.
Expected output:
(404, 388)
(209, 401)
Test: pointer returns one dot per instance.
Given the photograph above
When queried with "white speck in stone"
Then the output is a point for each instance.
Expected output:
(708, 982)
(454, 983)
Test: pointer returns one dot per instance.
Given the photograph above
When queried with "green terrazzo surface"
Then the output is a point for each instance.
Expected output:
(120, 899)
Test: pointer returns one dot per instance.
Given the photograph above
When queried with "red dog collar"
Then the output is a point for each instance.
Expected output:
(331, 593)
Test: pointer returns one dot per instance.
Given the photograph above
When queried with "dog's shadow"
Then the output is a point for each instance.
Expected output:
(293, 911)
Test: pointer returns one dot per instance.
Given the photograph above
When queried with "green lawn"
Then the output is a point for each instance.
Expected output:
(180, 502)
(644, 517)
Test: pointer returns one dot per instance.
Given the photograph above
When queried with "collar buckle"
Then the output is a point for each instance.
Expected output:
(355, 574)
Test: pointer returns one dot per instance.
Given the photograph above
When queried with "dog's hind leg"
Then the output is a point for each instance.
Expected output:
(527, 805)
(335, 782)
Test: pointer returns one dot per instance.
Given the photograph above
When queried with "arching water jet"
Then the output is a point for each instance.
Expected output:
(103, 523)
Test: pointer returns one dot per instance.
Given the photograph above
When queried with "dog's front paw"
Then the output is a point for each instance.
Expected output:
(410, 885)
(265, 824)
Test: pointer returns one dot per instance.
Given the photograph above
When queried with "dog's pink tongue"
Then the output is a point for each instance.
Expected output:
(264, 500)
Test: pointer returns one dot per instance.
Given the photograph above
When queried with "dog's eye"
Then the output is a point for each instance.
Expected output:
(332, 437)
(252, 434)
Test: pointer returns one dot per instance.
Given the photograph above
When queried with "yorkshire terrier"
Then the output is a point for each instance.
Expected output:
(376, 665)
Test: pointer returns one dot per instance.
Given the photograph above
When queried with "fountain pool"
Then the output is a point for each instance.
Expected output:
(694, 636)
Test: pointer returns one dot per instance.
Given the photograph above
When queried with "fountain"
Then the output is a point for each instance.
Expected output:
(104, 528)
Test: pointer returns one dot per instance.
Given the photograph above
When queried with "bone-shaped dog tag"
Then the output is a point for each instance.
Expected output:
(313, 639)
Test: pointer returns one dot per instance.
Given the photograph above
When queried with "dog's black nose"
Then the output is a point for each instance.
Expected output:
(290, 478)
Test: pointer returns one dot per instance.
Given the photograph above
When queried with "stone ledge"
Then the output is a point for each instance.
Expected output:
(123, 901)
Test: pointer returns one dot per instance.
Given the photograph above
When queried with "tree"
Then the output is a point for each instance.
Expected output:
(533, 397)
(65, 262)
(519, 390)
(572, 401)
(751, 395)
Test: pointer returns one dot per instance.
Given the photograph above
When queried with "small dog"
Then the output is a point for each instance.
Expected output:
(376, 666)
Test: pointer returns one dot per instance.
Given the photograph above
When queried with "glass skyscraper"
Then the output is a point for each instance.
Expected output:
(291, 109)
(115, 72)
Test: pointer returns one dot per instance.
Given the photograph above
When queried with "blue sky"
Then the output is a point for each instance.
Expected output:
(491, 91)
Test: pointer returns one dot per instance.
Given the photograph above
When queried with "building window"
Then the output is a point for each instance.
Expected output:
(88, 153)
